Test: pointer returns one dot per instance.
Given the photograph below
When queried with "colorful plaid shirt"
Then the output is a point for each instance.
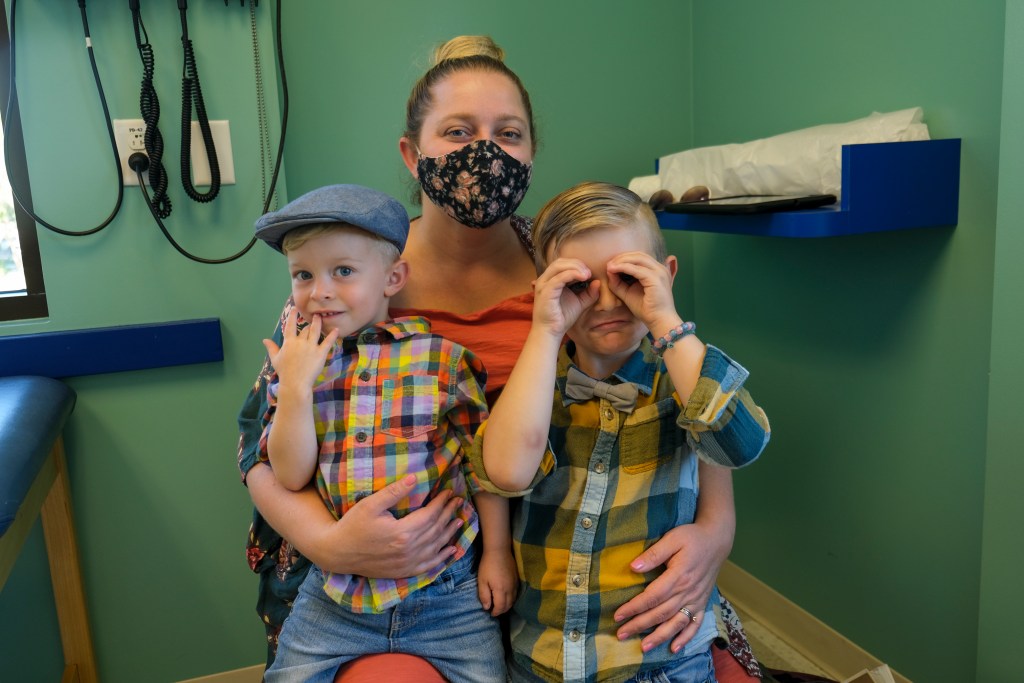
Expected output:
(393, 399)
(609, 486)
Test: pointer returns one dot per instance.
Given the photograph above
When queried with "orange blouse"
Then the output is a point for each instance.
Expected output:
(496, 334)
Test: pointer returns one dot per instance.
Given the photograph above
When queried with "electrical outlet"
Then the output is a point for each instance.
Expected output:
(130, 136)
(222, 145)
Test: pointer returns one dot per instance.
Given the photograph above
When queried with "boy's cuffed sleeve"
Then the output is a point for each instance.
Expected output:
(467, 407)
(476, 462)
(723, 424)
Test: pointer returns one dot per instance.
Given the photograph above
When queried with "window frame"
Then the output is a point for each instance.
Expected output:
(31, 304)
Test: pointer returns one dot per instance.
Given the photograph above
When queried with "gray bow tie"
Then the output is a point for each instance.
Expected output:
(580, 387)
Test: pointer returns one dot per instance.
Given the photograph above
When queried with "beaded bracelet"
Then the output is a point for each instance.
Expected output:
(672, 336)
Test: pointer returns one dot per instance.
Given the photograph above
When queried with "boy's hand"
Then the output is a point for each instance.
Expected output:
(497, 581)
(561, 293)
(645, 286)
(301, 356)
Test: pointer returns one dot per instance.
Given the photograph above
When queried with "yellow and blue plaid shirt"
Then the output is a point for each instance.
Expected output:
(393, 399)
(609, 486)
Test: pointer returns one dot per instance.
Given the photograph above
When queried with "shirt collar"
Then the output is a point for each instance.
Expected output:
(394, 328)
(639, 369)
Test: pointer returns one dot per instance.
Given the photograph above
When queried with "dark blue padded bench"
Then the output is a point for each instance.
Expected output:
(34, 482)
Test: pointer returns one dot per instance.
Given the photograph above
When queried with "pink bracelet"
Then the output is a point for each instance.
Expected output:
(672, 336)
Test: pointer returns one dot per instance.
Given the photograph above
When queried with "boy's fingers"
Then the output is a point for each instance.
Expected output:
(272, 348)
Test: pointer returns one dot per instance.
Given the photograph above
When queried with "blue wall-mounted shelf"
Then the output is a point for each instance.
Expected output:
(885, 186)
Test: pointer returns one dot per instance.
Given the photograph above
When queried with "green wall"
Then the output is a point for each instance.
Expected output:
(161, 515)
(886, 502)
(870, 353)
(1002, 592)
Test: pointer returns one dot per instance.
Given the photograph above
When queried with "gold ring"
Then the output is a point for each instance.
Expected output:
(688, 613)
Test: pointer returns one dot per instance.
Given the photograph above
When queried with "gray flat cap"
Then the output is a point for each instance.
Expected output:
(356, 205)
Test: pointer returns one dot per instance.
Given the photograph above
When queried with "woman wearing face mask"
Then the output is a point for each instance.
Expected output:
(469, 141)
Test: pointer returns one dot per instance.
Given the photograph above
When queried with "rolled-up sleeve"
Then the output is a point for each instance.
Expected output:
(723, 424)
(476, 462)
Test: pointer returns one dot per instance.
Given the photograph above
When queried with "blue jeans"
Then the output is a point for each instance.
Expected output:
(698, 668)
(444, 623)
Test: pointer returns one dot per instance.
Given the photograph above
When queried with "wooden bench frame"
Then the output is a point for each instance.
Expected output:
(50, 498)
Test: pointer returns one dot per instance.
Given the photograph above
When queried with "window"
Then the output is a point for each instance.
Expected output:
(22, 294)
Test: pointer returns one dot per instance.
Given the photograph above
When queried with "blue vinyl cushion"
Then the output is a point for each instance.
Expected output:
(32, 414)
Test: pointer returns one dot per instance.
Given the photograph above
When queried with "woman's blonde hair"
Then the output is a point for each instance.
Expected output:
(588, 206)
(462, 53)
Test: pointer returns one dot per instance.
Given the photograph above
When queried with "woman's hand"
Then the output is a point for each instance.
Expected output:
(368, 540)
(692, 559)
(692, 555)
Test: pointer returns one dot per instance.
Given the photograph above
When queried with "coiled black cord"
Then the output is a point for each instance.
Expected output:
(12, 99)
(138, 163)
(191, 92)
(149, 106)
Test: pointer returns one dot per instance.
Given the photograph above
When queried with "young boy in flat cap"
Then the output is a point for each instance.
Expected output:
(358, 400)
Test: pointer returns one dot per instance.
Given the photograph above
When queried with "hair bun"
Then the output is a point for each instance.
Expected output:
(468, 46)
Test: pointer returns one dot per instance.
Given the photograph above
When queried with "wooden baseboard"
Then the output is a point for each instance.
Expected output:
(251, 674)
(832, 652)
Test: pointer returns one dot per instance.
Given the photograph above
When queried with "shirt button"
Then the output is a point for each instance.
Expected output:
(574, 635)
(364, 375)
(368, 338)
(361, 437)
(586, 522)
(577, 580)
(599, 468)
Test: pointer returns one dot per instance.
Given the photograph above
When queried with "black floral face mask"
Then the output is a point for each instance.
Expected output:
(477, 185)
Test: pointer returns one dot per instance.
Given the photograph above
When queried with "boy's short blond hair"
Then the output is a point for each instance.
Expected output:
(588, 206)
(296, 237)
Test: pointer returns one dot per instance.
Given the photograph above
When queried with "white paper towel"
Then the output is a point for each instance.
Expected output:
(806, 161)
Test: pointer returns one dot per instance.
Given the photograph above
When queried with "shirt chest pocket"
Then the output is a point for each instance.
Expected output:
(649, 435)
(409, 406)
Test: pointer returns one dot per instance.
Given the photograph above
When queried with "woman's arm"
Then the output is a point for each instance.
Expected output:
(368, 540)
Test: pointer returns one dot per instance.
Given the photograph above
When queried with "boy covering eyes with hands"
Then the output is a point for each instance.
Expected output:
(613, 460)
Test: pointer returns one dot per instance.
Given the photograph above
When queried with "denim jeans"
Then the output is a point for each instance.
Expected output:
(444, 623)
(698, 668)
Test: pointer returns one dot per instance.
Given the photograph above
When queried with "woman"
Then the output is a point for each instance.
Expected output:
(470, 141)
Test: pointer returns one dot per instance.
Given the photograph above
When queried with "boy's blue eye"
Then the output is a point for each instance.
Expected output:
(579, 286)
(343, 271)
(302, 275)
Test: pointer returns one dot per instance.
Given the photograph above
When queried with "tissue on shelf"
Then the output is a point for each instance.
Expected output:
(806, 161)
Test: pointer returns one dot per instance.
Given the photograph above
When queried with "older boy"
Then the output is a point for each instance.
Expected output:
(357, 401)
(608, 466)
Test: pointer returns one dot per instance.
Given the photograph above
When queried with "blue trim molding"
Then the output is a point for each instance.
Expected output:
(98, 351)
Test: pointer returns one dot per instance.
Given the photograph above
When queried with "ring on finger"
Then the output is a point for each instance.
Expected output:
(687, 613)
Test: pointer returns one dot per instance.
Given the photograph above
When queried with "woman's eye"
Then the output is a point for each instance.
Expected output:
(457, 134)
(627, 280)
(511, 134)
